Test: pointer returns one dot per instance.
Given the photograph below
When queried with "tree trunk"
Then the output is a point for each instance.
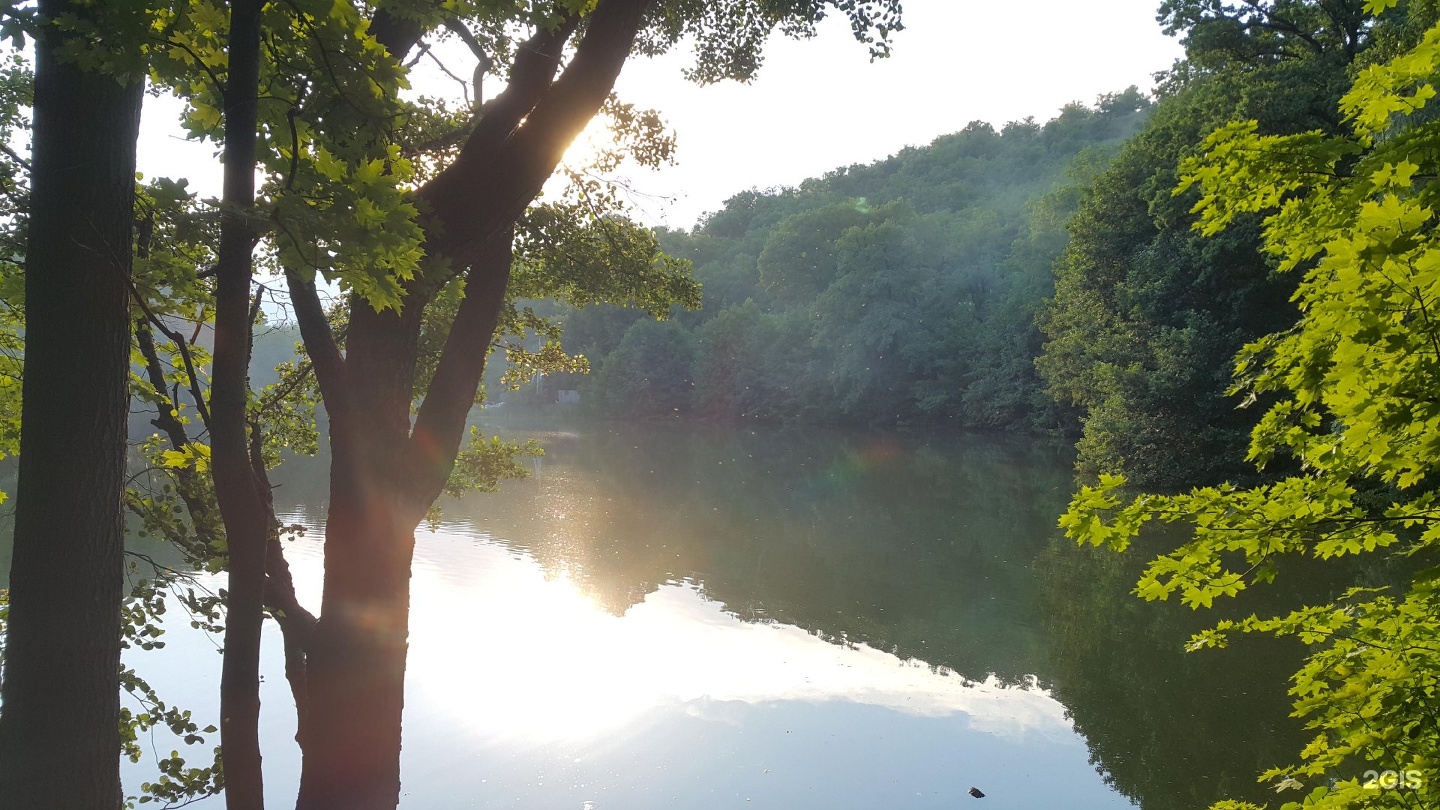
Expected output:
(356, 660)
(59, 733)
(356, 663)
(383, 476)
(247, 520)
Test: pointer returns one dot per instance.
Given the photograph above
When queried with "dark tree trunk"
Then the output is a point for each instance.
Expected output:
(242, 505)
(59, 733)
(384, 475)
(355, 668)
(355, 665)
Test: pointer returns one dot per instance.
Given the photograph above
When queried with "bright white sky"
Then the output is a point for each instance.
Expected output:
(820, 104)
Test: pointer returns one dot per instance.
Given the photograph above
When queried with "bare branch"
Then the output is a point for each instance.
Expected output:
(320, 342)
(458, 28)
(193, 376)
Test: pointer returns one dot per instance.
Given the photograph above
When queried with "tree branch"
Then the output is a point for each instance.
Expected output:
(464, 85)
(397, 34)
(297, 624)
(477, 199)
(458, 28)
(440, 422)
(189, 486)
(532, 155)
(165, 418)
(193, 376)
(320, 342)
(531, 76)
(13, 155)
(1271, 21)
(502, 167)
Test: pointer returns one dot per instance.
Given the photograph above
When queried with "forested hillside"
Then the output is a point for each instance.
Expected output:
(900, 292)
(1148, 312)
(1039, 277)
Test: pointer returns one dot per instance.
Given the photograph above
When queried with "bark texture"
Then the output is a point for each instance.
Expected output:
(59, 733)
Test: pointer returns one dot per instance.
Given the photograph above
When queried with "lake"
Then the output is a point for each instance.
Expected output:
(682, 615)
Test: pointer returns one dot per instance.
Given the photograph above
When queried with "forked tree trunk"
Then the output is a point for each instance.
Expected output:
(350, 734)
(384, 473)
(356, 658)
(59, 733)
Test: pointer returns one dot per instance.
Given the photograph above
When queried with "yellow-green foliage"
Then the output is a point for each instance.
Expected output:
(1357, 410)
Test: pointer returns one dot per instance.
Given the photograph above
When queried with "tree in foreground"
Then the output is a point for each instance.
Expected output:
(1357, 416)
(424, 215)
(60, 731)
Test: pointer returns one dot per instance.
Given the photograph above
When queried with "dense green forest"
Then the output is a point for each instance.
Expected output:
(900, 292)
(1149, 312)
(1042, 277)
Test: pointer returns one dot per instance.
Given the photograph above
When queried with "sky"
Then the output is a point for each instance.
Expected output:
(821, 103)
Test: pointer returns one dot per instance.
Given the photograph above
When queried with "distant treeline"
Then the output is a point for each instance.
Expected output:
(902, 292)
(1039, 277)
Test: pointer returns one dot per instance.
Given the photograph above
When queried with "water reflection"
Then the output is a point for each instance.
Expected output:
(672, 615)
(573, 670)
(918, 547)
(1172, 731)
(676, 615)
(677, 701)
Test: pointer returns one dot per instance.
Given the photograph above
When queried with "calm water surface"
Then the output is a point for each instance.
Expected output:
(673, 615)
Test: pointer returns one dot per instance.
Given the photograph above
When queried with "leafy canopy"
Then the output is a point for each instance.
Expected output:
(1354, 411)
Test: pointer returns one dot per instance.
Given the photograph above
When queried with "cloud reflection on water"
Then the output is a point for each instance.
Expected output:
(534, 659)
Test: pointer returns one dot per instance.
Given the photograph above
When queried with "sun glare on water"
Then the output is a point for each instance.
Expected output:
(517, 657)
